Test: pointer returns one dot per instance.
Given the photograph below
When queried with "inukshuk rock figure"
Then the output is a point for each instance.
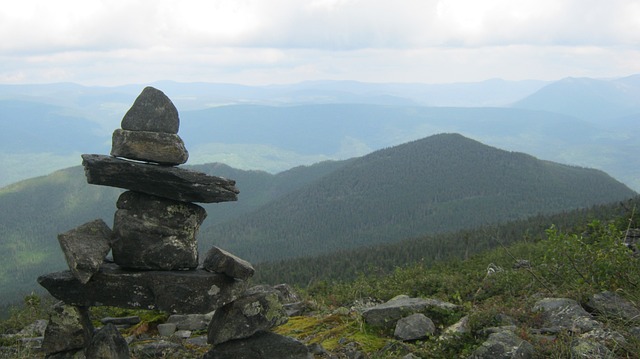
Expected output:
(153, 241)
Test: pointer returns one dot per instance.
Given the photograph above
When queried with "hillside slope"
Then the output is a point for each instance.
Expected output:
(438, 184)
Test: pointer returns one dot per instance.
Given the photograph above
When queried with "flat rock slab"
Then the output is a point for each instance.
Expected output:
(163, 181)
(196, 291)
(152, 111)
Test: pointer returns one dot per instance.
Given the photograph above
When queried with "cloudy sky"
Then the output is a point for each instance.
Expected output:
(112, 42)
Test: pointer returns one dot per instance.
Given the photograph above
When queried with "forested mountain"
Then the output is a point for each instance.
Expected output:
(346, 265)
(438, 184)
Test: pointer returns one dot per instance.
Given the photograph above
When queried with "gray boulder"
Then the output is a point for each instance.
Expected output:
(386, 315)
(152, 111)
(195, 291)
(414, 327)
(155, 233)
(162, 181)
(262, 345)
(558, 314)
(504, 345)
(85, 247)
(613, 306)
(221, 261)
(107, 343)
(255, 311)
(158, 147)
(64, 330)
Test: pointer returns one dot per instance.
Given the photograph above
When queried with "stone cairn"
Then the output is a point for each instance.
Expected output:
(153, 242)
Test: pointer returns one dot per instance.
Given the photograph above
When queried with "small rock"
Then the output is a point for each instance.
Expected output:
(190, 321)
(152, 111)
(242, 318)
(85, 248)
(459, 328)
(414, 327)
(182, 334)
(166, 329)
(107, 343)
(387, 314)
(220, 261)
(522, 264)
(504, 345)
(162, 148)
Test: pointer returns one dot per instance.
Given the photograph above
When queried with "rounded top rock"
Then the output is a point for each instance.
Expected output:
(152, 111)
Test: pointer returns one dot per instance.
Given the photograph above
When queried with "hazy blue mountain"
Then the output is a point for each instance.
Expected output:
(274, 128)
(587, 98)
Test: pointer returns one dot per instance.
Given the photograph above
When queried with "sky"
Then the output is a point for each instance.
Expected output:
(260, 42)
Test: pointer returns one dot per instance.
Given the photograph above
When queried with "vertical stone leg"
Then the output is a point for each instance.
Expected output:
(87, 326)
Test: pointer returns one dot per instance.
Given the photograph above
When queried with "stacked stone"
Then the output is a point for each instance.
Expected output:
(154, 245)
(153, 241)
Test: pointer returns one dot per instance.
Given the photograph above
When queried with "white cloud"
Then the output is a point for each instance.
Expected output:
(263, 41)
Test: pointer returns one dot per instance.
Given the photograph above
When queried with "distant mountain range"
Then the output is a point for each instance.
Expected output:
(436, 184)
(585, 122)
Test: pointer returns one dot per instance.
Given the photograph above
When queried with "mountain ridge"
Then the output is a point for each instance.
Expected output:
(465, 185)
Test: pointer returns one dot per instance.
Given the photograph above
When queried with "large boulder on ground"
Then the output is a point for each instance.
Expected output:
(194, 291)
(152, 111)
(256, 310)
(64, 330)
(158, 147)
(386, 315)
(162, 181)
(85, 247)
(151, 232)
(108, 343)
(220, 261)
(262, 345)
